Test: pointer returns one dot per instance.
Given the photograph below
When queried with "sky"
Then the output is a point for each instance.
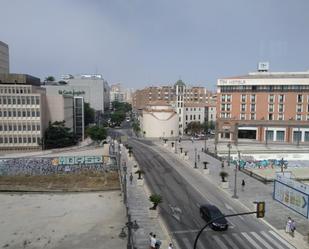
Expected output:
(140, 43)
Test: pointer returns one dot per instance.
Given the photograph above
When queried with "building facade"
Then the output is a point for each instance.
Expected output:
(4, 58)
(23, 119)
(159, 120)
(264, 106)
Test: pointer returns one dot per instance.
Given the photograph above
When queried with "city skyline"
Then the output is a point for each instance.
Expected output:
(142, 43)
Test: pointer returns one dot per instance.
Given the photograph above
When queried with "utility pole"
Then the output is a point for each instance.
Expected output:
(195, 164)
(235, 179)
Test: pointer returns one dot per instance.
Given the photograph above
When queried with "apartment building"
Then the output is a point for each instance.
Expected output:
(264, 106)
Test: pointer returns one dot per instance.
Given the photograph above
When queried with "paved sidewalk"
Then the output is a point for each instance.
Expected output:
(138, 207)
(276, 214)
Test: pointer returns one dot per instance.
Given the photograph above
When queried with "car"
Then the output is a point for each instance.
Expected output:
(209, 212)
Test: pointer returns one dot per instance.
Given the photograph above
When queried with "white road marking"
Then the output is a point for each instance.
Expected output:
(187, 243)
(283, 241)
(219, 242)
(239, 239)
(260, 239)
(272, 240)
(251, 240)
(230, 241)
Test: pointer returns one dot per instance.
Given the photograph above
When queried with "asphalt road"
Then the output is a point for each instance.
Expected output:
(184, 190)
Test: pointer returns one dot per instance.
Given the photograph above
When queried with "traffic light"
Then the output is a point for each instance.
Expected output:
(260, 209)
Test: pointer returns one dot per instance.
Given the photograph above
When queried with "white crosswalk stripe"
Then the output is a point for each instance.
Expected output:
(229, 240)
(261, 240)
(219, 242)
(247, 236)
(273, 241)
(240, 240)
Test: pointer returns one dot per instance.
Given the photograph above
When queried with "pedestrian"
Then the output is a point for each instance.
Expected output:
(192, 139)
(293, 227)
(198, 157)
(152, 241)
(288, 225)
(202, 149)
(158, 243)
(170, 246)
(243, 184)
(131, 178)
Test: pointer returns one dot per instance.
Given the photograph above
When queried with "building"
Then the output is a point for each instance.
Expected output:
(192, 104)
(116, 93)
(4, 58)
(93, 88)
(23, 118)
(159, 120)
(264, 106)
(79, 124)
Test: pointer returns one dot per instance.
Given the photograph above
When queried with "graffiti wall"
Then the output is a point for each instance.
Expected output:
(53, 165)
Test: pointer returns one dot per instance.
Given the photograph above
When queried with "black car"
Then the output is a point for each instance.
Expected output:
(209, 212)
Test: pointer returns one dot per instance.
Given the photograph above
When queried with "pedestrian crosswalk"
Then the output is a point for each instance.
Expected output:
(234, 240)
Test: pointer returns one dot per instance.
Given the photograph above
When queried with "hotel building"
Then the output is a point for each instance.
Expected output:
(269, 107)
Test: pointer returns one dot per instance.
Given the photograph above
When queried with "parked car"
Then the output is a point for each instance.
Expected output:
(209, 212)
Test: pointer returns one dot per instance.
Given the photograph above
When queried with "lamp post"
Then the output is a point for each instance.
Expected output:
(298, 136)
(195, 164)
(235, 179)
(229, 155)
(129, 225)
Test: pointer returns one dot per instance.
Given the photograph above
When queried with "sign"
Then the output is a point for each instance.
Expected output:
(291, 196)
(65, 92)
(77, 160)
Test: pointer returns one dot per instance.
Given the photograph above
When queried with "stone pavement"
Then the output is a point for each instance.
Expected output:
(138, 206)
(276, 214)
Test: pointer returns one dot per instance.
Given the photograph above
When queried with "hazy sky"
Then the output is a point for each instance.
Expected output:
(149, 42)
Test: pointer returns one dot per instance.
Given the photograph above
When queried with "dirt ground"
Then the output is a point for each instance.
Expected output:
(65, 182)
(62, 220)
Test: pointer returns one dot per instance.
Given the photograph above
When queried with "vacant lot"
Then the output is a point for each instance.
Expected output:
(65, 182)
(62, 221)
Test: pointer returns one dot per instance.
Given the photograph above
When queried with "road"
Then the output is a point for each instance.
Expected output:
(184, 190)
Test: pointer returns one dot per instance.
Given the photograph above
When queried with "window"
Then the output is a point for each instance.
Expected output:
(18, 113)
(252, 116)
(299, 98)
(306, 136)
(34, 139)
(253, 98)
(223, 98)
(15, 140)
(228, 107)
(38, 127)
(186, 117)
(271, 107)
(24, 127)
(243, 98)
(23, 100)
(29, 140)
(280, 136)
(28, 100)
(296, 136)
(20, 140)
(242, 116)
(243, 107)
(271, 98)
(269, 135)
(252, 108)
(24, 140)
(9, 101)
(229, 97)
(280, 108)
(270, 116)
(24, 113)
(19, 127)
(281, 98)
(299, 108)
(280, 116)
(298, 116)
(37, 100)
(33, 127)
(32, 100)
(18, 101)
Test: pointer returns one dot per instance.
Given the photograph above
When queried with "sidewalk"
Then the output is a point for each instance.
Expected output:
(138, 206)
(276, 214)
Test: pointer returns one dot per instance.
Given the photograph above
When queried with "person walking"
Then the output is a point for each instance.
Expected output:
(152, 241)
(243, 184)
(293, 227)
(198, 157)
(158, 243)
(288, 225)
(170, 246)
(131, 178)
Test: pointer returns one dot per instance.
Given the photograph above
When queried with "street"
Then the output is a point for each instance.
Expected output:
(183, 191)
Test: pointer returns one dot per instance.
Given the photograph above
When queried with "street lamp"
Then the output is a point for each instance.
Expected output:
(229, 155)
(129, 225)
(235, 179)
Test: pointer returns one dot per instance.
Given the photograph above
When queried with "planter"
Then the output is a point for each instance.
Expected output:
(165, 145)
(140, 182)
(153, 214)
(224, 185)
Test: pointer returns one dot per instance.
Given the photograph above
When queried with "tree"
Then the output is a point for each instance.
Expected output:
(121, 106)
(58, 136)
(194, 127)
(89, 114)
(155, 199)
(50, 78)
(118, 117)
(136, 128)
(96, 133)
